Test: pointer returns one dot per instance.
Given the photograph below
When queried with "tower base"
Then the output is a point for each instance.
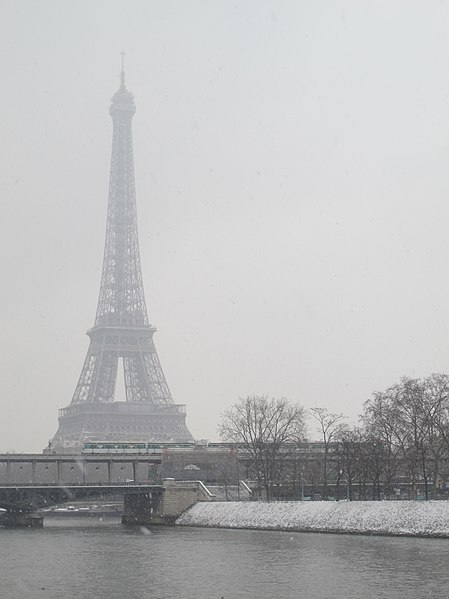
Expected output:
(119, 422)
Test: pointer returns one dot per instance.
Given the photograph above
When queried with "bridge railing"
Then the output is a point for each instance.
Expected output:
(79, 484)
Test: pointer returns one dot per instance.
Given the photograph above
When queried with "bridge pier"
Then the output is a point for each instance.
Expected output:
(143, 508)
(163, 505)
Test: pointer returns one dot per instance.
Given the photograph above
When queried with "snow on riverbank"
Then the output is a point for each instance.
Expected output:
(412, 518)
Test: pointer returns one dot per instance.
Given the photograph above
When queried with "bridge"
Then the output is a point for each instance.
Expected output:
(21, 502)
(47, 469)
(29, 483)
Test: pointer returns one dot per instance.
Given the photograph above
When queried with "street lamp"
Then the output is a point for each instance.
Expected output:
(347, 485)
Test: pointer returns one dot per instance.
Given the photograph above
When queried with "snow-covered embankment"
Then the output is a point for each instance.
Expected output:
(411, 518)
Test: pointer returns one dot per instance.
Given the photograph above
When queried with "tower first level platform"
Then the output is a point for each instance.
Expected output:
(120, 422)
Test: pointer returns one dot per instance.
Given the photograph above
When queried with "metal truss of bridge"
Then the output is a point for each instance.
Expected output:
(122, 330)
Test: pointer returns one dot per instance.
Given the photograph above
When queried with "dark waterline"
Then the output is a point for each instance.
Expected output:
(91, 559)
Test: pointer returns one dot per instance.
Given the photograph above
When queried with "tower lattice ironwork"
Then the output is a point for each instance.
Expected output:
(122, 330)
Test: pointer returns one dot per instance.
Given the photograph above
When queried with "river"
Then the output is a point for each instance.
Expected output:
(92, 559)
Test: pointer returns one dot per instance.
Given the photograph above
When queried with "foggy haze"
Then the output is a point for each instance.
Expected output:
(292, 190)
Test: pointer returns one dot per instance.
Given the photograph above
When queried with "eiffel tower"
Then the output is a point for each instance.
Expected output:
(122, 330)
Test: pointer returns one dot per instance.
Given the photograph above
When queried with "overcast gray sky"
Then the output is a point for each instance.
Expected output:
(292, 172)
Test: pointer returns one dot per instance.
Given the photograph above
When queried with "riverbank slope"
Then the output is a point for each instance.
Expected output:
(401, 518)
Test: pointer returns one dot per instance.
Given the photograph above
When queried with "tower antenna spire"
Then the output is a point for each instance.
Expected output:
(122, 74)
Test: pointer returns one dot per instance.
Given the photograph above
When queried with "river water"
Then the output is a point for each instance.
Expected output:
(93, 559)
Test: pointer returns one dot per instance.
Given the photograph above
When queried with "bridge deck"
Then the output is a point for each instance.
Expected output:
(88, 469)
(29, 498)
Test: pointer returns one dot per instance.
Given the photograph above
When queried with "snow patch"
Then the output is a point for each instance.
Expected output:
(411, 518)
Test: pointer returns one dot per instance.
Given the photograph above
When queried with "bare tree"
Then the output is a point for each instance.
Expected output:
(436, 389)
(266, 427)
(410, 422)
(329, 425)
(382, 425)
(348, 442)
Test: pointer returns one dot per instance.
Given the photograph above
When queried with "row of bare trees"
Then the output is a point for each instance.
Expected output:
(402, 438)
(408, 423)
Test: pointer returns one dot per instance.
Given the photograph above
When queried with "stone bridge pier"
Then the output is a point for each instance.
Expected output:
(165, 504)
